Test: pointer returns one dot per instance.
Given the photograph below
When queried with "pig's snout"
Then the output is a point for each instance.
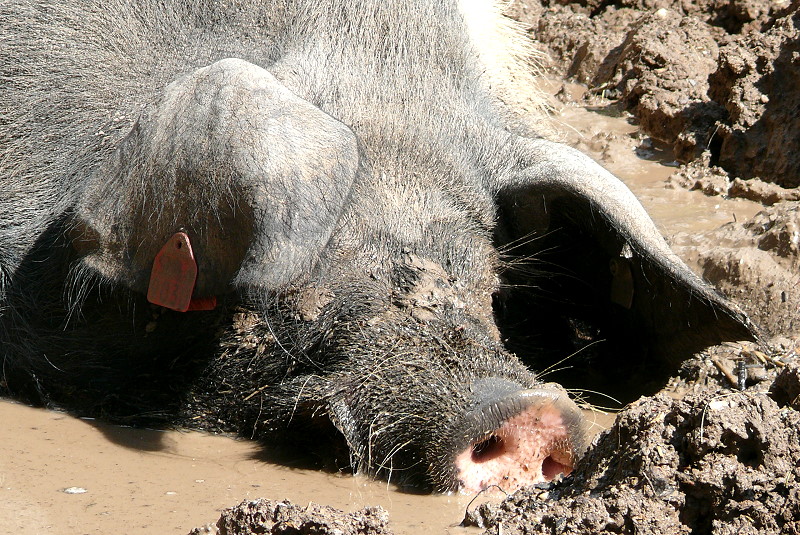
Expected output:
(523, 437)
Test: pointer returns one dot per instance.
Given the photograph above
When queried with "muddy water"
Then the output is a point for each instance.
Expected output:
(610, 137)
(62, 476)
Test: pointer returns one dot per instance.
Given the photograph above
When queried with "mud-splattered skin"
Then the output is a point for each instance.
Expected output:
(350, 190)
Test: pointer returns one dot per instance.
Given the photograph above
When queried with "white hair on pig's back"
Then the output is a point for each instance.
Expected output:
(510, 58)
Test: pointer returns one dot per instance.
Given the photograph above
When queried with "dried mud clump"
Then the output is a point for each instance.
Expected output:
(758, 83)
(756, 263)
(699, 76)
(284, 518)
(664, 82)
(717, 462)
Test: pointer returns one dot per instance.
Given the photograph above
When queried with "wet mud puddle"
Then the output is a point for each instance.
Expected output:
(607, 135)
(63, 476)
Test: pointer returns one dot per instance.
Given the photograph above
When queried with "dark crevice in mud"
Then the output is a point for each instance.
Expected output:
(714, 148)
(697, 513)
(749, 450)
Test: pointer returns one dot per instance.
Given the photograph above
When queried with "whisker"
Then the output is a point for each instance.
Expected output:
(602, 394)
(549, 369)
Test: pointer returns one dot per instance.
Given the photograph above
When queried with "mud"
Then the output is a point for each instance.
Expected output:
(61, 475)
(285, 518)
(697, 75)
(755, 262)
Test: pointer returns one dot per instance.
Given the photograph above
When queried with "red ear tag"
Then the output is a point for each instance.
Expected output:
(173, 275)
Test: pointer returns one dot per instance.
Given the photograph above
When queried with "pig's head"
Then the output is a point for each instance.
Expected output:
(407, 365)
(437, 404)
(231, 182)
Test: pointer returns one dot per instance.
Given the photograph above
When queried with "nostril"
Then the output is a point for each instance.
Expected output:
(488, 449)
(551, 468)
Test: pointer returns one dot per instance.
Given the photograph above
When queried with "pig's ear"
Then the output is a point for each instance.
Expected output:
(576, 234)
(229, 157)
(305, 162)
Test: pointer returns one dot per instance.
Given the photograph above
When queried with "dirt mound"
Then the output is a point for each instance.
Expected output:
(716, 462)
(698, 76)
(285, 518)
(758, 83)
(756, 263)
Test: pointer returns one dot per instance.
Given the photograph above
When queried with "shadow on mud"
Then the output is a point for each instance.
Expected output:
(132, 438)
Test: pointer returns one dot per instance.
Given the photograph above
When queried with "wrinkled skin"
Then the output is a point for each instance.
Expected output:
(369, 220)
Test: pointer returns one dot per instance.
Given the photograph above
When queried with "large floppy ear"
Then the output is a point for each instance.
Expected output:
(228, 168)
(592, 259)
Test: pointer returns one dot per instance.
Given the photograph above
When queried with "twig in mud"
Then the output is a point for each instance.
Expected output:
(759, 356)
(473, 519)
(728, 375)
(600, 88)
(766, 359)
(498, 487)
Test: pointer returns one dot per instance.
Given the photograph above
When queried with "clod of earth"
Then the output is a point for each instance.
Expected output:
(698, 76)
(285, 518)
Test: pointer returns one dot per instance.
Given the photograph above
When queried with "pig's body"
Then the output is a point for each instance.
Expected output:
(357, 202)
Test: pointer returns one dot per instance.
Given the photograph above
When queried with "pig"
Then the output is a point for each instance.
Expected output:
(321, 225)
